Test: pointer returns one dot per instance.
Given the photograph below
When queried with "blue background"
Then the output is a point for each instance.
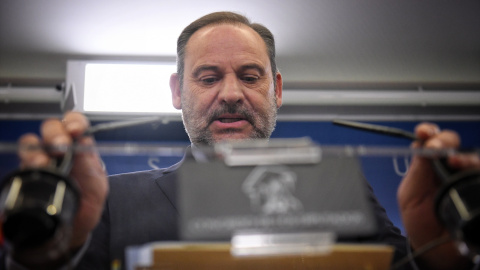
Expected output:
(379, 171)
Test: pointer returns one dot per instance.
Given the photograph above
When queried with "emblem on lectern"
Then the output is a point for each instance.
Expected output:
(271, 190)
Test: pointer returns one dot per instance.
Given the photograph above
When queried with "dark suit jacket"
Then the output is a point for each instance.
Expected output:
(141, 209)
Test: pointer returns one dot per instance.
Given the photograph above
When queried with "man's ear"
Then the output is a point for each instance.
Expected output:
(279, 89)
(176, 91)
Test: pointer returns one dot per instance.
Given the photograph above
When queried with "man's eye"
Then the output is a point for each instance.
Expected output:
(250, 79)
(208, 80)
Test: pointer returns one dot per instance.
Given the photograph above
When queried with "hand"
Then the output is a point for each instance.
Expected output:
(416, 196)
(87, 169)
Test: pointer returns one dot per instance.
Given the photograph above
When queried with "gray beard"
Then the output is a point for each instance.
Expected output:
(203, 136)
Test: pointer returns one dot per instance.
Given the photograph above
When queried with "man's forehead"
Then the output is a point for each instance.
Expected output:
(220, 27)
(217, 37)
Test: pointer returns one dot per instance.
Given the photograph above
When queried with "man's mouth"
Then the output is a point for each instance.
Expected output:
(230, 120)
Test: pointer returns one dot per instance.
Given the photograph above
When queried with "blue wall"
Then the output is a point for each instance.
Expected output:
(379, 171)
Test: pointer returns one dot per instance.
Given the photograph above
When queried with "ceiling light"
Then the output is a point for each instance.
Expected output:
(120, 87)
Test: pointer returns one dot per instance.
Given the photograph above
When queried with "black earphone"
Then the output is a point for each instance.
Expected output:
(38, 208)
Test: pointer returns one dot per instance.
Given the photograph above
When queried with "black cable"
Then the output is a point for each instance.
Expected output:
(420, 251)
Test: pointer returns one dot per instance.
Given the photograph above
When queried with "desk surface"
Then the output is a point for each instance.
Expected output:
(217, 256)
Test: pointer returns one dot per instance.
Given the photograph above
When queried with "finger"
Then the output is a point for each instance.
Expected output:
(444, 139)
(30, 152)
(426, 130)
(55, 136)
(465, 161)
(75, 123)
(448, 139)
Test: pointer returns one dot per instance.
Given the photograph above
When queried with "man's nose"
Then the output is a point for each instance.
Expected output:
(231, 91)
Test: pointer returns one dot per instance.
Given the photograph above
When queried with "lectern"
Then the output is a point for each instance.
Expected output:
(203, 256)
(278, 204)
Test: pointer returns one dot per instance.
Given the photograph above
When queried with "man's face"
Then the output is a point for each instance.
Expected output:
(228, 91)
